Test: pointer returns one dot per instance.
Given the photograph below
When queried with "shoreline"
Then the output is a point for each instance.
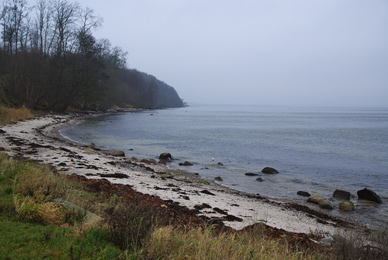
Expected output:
(39, 140)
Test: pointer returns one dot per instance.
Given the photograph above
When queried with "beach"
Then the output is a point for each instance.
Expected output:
(38, 140)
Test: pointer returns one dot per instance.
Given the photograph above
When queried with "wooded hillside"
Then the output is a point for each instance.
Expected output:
(49, 59)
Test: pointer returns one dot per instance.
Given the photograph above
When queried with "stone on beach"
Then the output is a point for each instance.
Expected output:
(367, 194)
(269, 170)
(94, 147)
(251, 174)
(149, 161)
(117, 153)
(341, 194)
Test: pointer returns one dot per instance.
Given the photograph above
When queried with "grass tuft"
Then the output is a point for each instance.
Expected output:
(130, 225)
(198, 243)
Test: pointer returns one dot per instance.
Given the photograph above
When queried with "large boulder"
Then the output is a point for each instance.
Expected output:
(165, 157)
(346, 205)
(341, 194)
(269, 170)
(367, 194)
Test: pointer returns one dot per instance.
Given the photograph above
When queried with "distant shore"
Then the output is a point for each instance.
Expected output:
(39, 140)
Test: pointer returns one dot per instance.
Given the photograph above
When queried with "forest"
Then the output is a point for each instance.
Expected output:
(50, 60)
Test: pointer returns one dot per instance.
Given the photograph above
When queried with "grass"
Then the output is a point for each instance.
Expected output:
(23, 240)
(198, 243)
(30, 219)
(354, 246)
(11, 115)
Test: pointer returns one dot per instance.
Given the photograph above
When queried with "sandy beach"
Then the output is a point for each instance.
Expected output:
(39, 140)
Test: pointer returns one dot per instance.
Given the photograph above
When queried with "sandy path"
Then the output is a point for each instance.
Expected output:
(38, 140)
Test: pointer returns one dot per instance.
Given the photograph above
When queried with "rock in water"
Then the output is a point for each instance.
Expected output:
(346, 205)
(165, 157)
(341, 194)
(367, 194)
(251, 174)
(315, 199)
(321, 201)
(269, 170)
(303, 193)
(186, 163)
(325, 204)
(218, 178)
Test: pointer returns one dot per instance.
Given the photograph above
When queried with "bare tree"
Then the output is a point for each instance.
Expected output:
(43, 32)
(13, 15)
(65, 17)
(89, 20)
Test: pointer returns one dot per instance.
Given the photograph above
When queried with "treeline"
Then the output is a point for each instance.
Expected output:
(49, 59)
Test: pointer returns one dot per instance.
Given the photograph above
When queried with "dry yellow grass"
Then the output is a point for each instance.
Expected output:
(35, 186)
(10, 115)
(198, 243)
(50, 213)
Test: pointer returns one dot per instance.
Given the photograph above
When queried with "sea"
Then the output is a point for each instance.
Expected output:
(317, 150)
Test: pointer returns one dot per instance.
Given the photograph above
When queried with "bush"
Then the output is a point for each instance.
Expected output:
(130, 225)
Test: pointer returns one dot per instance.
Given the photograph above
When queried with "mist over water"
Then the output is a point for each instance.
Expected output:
(315, 149)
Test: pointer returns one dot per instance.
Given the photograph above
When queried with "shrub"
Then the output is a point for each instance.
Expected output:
(130, 225)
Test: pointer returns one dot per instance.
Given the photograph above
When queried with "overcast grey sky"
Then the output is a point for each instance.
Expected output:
(264, 52)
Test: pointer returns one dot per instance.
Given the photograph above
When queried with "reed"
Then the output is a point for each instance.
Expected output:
(11, 115)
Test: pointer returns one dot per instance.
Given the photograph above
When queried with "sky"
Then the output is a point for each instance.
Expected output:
(330, 53)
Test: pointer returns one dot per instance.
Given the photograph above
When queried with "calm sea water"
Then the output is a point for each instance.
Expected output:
(315, 150)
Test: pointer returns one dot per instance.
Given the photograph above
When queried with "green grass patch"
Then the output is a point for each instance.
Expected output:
(21, 240)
